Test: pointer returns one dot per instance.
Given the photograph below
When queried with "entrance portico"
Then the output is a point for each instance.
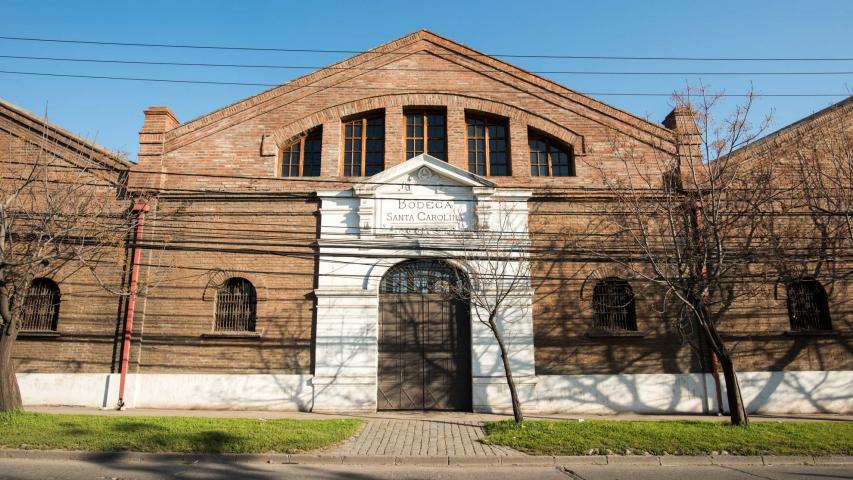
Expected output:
(414, 210)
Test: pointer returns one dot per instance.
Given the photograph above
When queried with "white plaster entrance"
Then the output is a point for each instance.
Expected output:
(418, 209)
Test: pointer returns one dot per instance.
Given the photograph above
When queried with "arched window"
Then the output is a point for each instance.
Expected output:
(40, 311)
(488, 146)
(236, 303)
(426, 132)
(613, 305)
(301, 158)
(808, 308)
(549, 157)
(364, 145)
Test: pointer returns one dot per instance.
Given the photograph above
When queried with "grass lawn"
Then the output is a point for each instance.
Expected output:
(570, 437)
(169, 434)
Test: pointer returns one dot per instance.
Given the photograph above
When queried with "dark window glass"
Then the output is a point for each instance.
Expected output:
(808, 307)
(425, 133)
(488, 146)
(236, 304)
(613, 305)
(364, 146)
(302, 157)
(550, 158)
(40, 311)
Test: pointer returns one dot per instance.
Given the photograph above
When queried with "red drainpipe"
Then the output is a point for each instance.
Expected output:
(714, 372)
(139, 208)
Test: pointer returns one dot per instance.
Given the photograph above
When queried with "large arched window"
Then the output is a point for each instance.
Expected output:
(364, 145)
(808, 308)
(613, 305)
(301, 158)
(40, 311)
(236, 304)
(426, 132)
(488, 145)
(549, 157)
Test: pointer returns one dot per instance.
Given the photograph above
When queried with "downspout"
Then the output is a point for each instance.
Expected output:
(139, 208)
(714, 372)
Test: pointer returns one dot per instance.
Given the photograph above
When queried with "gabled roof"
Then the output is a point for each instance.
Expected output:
(842, 108)
(29, 122)
(437, 45)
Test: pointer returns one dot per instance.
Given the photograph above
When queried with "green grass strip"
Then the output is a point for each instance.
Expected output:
(571, 437)
(170, 434)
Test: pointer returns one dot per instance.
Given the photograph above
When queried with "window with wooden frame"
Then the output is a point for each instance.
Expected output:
(808, 307)
(301, 157)
(364, 145)
(613, 305)
(40, 311)
(426, 132)
(488, 145)
(236, 306)
(550, 157)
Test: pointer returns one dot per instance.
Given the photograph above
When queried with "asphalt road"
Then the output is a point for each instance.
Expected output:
(74, 470)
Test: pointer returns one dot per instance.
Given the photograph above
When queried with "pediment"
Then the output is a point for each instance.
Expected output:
(407, 53)
(421, 174)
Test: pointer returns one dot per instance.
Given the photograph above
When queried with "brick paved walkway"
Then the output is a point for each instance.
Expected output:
(421, 437)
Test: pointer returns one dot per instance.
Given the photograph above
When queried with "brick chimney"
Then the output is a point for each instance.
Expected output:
(158, 121)
(682, 121)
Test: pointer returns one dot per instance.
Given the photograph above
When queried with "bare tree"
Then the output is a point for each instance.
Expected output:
(686, 221)
(496, 257)
(61, 214)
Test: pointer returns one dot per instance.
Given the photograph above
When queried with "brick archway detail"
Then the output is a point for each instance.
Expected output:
(292, 131)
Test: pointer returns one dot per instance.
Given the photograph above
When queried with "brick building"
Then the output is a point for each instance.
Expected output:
(299, 242)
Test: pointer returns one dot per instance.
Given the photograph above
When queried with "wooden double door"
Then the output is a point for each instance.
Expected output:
(424, 352)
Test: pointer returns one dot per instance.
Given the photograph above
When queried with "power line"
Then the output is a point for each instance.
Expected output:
(447, 70)
(504, 55)
(363, 87)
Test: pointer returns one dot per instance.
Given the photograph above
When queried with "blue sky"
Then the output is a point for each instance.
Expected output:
(110, 112)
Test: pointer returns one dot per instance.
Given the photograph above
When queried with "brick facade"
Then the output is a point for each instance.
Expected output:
(222, 210)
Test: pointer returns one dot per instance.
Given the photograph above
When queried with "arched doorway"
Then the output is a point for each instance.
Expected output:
(424, 338)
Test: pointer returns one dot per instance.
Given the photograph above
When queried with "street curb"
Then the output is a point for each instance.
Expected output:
(390, 460)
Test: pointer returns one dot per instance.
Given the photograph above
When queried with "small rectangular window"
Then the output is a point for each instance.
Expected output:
(488, 146)
(426, 132)
(364, 146)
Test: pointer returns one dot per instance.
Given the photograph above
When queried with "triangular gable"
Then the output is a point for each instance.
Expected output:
(440, 173)
(392, 51)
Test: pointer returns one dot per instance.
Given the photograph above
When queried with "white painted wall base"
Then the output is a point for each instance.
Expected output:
(796, 392)
(178, 391)
(763, 392)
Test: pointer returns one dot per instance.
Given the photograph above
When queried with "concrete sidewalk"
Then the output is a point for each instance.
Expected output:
(437, 460)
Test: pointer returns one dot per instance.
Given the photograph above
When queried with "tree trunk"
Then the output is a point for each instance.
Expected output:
(737, 411)
(513, 393)
(10, 395)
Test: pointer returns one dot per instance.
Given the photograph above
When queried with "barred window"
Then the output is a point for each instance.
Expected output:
(40, 311)
(301, 158)
(236, 303)
(613, 305)
(488, 146)
(808, 308)
(364, 145)
(423, 276)
(426, 133)
(550, 158)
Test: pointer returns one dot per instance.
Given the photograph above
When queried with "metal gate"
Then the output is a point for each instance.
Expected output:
(424, 340)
